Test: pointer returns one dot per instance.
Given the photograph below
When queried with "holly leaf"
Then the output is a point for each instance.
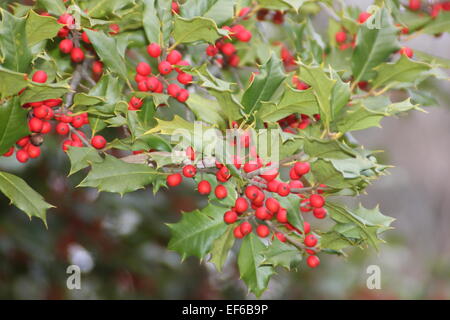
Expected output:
(373, 46)
(327, 149)
(14, 49)
(264, 85)
(324, 172)
(206, 110)
(157, 21)
(23, 196)
(403, 72)
(82, 157)
(55, 7)
(218, 10)
(292, 101)
(12, 82)
(323, 87)
(335, 241)
(13, 123)
(107, 49)
(282, 254)
(438, 25)
(255, 275)
(84, 99)
(115, 175)
(221, 248)
(196, 29)
(170, 127)
(195, 234)
(39, 28)
(43, 91)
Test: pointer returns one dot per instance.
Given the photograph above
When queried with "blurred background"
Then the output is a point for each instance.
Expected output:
(120, 243)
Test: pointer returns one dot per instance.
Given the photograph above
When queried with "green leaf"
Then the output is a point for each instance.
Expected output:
(362, 223)
(107, 49)
(82, 157)
(205, 110)
(106, 8)
(83, 99)
(195, 234)
(55, 7)
(281, 4)
(196, 29)
(374, 46)
(14, 49)
(324, 172)
(327, 149)
(115, 175)
(230, 186)
(402, 72)
(169, 127)
(12, 82)
(255, 275)
(292, 101)
(40, 28)
(218, 10)
(323, 88)
(13, 123)
(23, 196)
(157, 21)
(264, 85)
(282, 254)
(221, 248)
(43, 91)
(229, 106)
(333, 240)
(291, 203)
(438, 25)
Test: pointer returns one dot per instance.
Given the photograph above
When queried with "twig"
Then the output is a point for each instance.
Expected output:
(291, 240)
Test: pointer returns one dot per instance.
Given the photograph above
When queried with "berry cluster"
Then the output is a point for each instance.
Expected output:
(226, 45)
(257, 202)
(146, 81)
(276, 16)
(39, 124)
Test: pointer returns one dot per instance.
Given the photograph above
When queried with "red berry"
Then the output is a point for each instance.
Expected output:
(310, 240)
(293, 174)
(320, 213)
(22, 156)
(9, 152)
(250, 166)
(317, 201)
(62, 128)
(306, 227)
(312, 261)
(142, 86)
(282, 216)
(230, 217)
(66, 46)
(221, 192)
(302, 168)
(280, 236)
(237, 232)
(174, 57)
(189, 171)
(272, 205)
(78, 121)
(262, 231)
(190, 153)
(114, 28)
(183, 95)
(272, 186)
(136, 103)
(98, 142)
(41, 112)
(251, 192)
(85, 37)
(143, 68)
(278, 17)
(35, 125)
(245, 227)
(66, 19)
(204, 187)
(97, 67)
(33, 151)
(184, 78)
(39, 76)
(174, 179)
(283, 189)
(269, 175)
(363, 16)
(234, 60)
(244, 11)
(77, 55)
(152, 83)
(165, 67)
(154, 50)
(415, 5)
(228, 49)
(305, 205)
(262, 214)
(241, 205)
(212, 50)
(407, 52)
(22, 142)
(341, 36)
(175, 7)
(295, 184)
